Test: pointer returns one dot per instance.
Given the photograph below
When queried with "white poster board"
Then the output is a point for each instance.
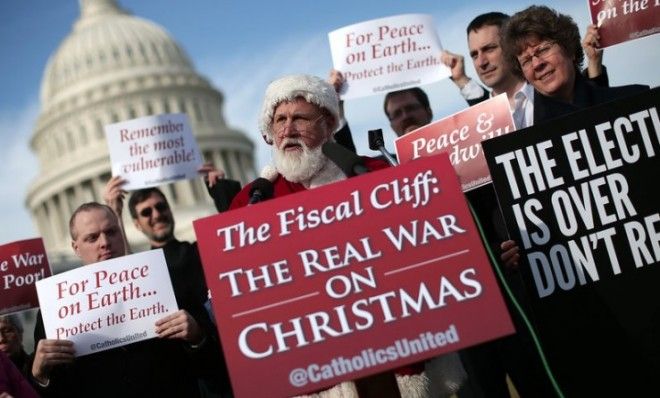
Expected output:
(387, 54)
(107, 304)
(153, 150)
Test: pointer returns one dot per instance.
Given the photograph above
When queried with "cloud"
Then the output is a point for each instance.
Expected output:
(19, 167)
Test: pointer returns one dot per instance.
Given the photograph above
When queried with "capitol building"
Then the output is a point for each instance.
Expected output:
(114, 67)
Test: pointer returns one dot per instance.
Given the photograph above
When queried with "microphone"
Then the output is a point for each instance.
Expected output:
(261, 189)
(350, 163)
(376, 143)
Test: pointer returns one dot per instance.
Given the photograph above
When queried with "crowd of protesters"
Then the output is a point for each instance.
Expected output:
(535, 56)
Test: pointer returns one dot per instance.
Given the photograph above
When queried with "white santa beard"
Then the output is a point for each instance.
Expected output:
(299, 166)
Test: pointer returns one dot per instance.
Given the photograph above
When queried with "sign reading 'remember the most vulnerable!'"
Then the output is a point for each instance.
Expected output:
(153, 150)
(349, 279)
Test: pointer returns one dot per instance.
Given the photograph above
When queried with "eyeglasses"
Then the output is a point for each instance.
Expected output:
(410, 108)
(160, 206)
(542, 51)
(297, 122)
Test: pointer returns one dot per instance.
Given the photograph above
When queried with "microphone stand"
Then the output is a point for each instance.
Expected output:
(376, 143)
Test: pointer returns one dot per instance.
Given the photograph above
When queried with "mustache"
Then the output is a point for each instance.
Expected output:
(291, 141)
(162, 218)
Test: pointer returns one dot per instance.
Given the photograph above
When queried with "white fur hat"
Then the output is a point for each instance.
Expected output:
(313, 89)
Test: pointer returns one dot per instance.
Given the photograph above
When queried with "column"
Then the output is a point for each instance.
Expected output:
(232, 158)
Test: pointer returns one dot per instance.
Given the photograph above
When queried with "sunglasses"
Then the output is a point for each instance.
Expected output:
(160, 206)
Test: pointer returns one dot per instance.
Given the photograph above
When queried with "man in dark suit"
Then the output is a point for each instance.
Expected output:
(164, 366)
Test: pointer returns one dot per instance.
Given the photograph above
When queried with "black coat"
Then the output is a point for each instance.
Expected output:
(155, 367)
(585, 95)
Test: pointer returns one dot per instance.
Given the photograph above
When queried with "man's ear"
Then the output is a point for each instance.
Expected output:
(392, 126)
(137, 224)
(331, 124)
(74, 246)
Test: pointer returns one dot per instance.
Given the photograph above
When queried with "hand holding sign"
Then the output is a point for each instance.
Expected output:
(510, 254)
(113, 194)
(48, 354)
(593, 52)
(179, 325)
(210, 174)
(456, 63)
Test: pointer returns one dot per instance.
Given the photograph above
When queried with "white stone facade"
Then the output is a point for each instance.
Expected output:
(113, 67)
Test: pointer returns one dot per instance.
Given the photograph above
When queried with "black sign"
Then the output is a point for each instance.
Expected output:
(581, 197)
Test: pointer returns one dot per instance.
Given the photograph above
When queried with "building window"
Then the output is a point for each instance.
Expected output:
(197, 111)
(59, 147)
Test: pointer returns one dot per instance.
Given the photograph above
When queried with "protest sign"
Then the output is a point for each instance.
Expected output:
(579, 196)
(349, 279)
(107, 304)
(22, 264)
(460, 135)
(387, 54)
(621, 21)
(153, 150)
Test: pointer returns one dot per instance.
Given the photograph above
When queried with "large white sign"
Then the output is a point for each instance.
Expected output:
(387, 54)
(153, 150)
(107, 304)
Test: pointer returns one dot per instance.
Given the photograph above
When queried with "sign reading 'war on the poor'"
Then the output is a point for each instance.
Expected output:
(22, 264)
(349, 279)
(579, 195)
(107, 304)
(153, 150)
(387, 54)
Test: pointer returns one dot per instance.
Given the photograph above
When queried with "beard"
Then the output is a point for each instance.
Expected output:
(298, 166)
(164, 235)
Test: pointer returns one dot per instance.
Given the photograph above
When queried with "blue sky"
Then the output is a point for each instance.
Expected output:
(240, 46)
